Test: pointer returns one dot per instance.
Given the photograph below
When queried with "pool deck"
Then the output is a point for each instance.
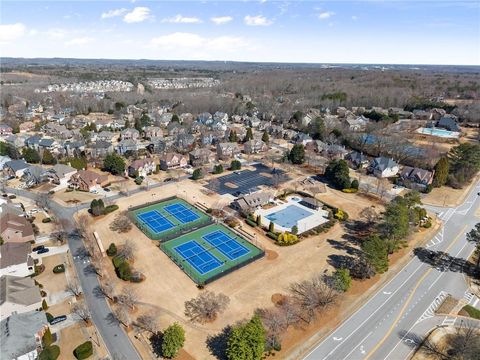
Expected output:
(316, 218)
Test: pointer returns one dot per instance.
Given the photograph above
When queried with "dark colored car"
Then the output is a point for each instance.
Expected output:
(58, 319)
(43, 251)
(167, 180)
(106, 189)
(37, 248)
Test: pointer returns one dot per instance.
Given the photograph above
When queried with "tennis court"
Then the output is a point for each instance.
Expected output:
(210, 252)
(227, 245)
(181, 213)
(197, 256)
(168, 218)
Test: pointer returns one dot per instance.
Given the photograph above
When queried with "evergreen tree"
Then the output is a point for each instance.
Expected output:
(271, 227)
(31, 155)
(115, 164)
(197, 174)
(249, 135)
(175, 118)
(265, 137)
(232, 137)
(297, 154)
(441, 172)
(317, 129)
(247, 341)
(342, 280)
(338, 173)
(235, 165)
(376, 253)
(48, 158)
(47, 338)
(173, 340)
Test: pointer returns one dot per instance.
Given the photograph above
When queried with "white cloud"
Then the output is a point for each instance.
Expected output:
(258, 20)
(56, 33)
(10, 32)
(179, 19)
(138, 14)
(326, 15)
(78, 41)
(191, 41)
(220, 20)
(113, 13)
(354, 17)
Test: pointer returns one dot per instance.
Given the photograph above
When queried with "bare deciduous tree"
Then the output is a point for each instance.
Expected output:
(128, 297)
(122, 315)
(148, 322)
(73, 287)
(107, 289)
(83, 224)
(128, 250)
(312, 295)
(206, 306)
(121, 223)
(369, 214)
(80, 311)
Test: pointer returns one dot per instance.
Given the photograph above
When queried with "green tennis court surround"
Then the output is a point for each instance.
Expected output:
(168, 218)
(210, 252)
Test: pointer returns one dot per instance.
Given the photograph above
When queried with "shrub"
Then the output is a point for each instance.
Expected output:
(58, 269)
(218, 169)
(341, 215)
(110, 208)
(472, 311)
(287, 239)
(235, 165)
(428, 224)
(271, 227)
(355, 184)
(232, 222)
(49, 316)
(259, 220)
(47, 338)
(272, 235)
(44, 305)
(294, 229)
(350, 190)
(51, 352)
(138, 180)
(251, 222)
(112, 250)
(124, 272)
(46, 220)
(197, 174)
(342, 280)
(84, 350)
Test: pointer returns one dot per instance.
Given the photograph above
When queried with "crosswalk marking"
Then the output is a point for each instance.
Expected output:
(430, 312)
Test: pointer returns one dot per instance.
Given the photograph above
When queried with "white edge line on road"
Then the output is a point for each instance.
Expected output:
(360, 343)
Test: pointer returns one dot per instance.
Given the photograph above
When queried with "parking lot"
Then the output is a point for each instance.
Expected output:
(246, 181)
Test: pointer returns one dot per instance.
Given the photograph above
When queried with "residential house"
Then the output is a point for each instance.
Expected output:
(100, 149)
(303, 138)
(49, 144)
(220, 116)
(34, 175)
(358, 123)
(142, 167)
(201, 156)
(416, 178)
(86, 180)
(33, 141)
(5, 129)
(15, 229)
(21, 335)
(26, 126)
(3, 160)
(129, 145)
(152, 132)
(383, 167)
(165, 119)
(254, 146)
(227, 150)
(205, 118)
(422, 115)
(448, 123)
(184, 142)
(207, 138)
(74, 147)
(60, 174)
(157, 145)
(18, 295)
(129, 134)
(249, 202)
(358, 160)
(106, 136)
(334, 151)
(173, 161)
(15, 259)
(15, 168)
(118, 124)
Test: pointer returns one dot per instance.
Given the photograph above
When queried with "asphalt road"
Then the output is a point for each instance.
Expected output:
(389, 325)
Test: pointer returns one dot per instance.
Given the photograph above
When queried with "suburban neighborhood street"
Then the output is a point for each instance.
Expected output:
(403, 310)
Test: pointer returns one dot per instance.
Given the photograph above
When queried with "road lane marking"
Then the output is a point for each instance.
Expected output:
(337, 339)
(410, 297)
(430, 312)
(359, 344)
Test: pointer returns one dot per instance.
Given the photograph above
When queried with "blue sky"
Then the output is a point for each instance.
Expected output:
(369, 31)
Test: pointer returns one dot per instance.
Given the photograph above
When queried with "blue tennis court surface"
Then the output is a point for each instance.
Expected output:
(227, 245)
(289, 216)
(155, 221)
(181, 213)
(197, 256)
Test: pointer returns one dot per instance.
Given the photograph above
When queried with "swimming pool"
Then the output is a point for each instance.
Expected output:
(438, 132)
(289, 216)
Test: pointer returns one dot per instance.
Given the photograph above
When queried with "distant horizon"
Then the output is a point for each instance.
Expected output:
(422, 32)
(230, 61)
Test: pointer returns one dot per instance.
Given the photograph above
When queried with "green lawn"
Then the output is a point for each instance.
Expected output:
(227, 266)
(179, 228)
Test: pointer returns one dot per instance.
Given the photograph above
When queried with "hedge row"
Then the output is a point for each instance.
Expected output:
(251, 222)
(110, 208)
(122, 268)
(84, 350)
(272, 235)
(59, 269)
(472, 311)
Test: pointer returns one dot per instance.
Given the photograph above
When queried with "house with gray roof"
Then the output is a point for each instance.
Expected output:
(18, 295)
(60, 174)
(416, 178)
(34, 175)
(100, 149)
(357, 159)
(227, 150)
(383, 167)
(15, 259)
(448, 123)
(21, 335)
(15, 168)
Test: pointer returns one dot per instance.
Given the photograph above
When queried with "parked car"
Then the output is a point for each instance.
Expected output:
(43, 251)
(168, 179)
(39, 247)
(106, 189)
(58, 319)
